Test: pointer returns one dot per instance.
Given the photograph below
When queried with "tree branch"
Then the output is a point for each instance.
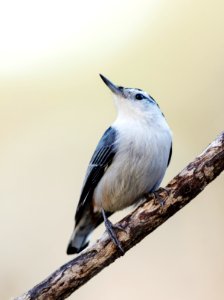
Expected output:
(144, 219)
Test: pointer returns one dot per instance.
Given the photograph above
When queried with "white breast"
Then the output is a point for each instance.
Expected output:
(138, 166)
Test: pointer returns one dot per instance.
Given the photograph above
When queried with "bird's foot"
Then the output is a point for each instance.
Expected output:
(110, 229)
(157, 198)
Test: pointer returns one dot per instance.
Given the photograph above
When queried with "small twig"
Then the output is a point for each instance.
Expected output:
(143, 220)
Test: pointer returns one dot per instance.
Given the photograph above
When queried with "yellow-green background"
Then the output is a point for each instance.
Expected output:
(53, 110)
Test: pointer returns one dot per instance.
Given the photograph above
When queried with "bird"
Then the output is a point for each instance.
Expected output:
(130, 160)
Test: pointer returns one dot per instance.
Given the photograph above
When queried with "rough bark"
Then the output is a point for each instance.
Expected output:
(144, 219)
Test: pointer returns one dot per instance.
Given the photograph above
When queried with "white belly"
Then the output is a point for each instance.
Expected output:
(138, 167)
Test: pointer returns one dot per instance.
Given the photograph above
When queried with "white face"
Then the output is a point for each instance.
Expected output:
(137, 99)
(133, 101)
(136, 95)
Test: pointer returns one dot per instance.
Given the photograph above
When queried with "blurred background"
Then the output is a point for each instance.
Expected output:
(53, 110)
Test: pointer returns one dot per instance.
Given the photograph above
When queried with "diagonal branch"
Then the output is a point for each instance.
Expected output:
(144, 219)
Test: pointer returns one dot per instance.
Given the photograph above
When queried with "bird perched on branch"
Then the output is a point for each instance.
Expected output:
(130, 160)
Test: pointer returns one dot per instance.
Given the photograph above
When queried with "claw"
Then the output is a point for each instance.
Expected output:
(157, 198)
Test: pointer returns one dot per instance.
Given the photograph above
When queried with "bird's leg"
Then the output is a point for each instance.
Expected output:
(110, 229)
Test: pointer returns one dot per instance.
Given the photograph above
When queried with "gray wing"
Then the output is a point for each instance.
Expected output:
(99, 162)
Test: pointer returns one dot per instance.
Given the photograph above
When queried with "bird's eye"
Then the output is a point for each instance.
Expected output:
(139, 96)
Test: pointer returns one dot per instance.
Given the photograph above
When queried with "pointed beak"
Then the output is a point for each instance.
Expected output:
(115, 89)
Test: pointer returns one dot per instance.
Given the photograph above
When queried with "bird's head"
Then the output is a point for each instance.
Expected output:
(133, 102)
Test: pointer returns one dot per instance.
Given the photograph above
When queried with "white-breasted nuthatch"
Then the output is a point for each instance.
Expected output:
(129, 161)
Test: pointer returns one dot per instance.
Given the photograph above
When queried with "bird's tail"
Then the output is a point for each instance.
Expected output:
(79, 239)
(81, 233)
(83, 228)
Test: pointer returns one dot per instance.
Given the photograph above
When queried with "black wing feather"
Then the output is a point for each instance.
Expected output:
(99, 162)
(169, 155)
